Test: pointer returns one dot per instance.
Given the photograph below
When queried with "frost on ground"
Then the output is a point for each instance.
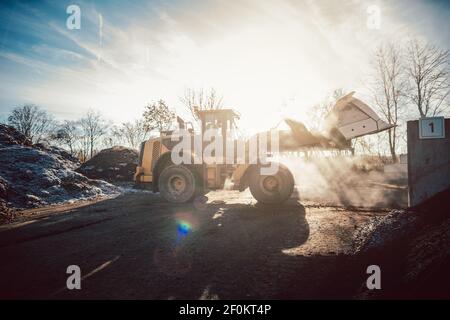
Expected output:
(130, 187)
(36, 175)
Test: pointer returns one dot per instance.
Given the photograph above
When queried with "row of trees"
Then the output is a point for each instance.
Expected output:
(409, 80)
(83, 137)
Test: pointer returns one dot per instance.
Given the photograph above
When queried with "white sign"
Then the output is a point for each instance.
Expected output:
(432, 128)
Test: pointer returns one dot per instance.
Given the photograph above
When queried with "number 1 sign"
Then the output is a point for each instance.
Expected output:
(432, 128)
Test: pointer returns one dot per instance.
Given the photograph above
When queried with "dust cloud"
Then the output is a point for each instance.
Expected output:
(348, 181)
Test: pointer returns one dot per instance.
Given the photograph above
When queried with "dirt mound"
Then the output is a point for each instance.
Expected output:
(35, 175)
(113, 164)
(412, 249)
(10, 136)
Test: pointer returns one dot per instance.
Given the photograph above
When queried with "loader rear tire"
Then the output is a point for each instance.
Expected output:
(271, 189)
(177, 184)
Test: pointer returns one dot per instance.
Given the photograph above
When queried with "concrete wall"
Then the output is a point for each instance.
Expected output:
(428, 164)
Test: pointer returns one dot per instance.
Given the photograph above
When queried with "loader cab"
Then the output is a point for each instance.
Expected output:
(222, 119)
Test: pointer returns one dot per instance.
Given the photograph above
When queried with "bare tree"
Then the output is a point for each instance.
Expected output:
(68, 133)
(388, 88)
(83, 150)
(371, 144)
(201, 100)
(132, 132)
(32, 121)
(93, 126)
(429, 77)
(110, 141)
(158, 116)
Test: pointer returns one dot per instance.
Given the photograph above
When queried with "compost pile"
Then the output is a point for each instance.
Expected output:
(114, 164)
(33, 175)
(412, 249)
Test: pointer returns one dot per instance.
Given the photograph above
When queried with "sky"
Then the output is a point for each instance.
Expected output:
(269, 59)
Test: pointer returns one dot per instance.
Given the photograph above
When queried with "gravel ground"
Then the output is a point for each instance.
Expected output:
(138, 246)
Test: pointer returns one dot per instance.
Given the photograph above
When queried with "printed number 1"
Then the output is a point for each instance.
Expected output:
(431, 124)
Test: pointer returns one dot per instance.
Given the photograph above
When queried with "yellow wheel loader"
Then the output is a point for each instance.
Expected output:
(182, 182)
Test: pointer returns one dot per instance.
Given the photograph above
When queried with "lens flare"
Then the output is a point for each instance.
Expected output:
(186, 223)
(183, 227)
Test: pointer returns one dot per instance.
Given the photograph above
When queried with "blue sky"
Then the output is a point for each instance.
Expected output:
(264, 56)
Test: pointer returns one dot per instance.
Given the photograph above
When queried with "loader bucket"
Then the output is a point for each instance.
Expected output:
(353, 118)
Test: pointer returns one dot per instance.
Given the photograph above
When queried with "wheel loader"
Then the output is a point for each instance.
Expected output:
(183, 182)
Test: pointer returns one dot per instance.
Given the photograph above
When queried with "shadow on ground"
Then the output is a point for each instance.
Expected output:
(137, 246)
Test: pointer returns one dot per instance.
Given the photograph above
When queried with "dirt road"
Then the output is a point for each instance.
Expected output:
(137, 246)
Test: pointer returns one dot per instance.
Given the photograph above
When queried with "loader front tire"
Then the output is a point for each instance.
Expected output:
(177, 184)
(271, 189)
